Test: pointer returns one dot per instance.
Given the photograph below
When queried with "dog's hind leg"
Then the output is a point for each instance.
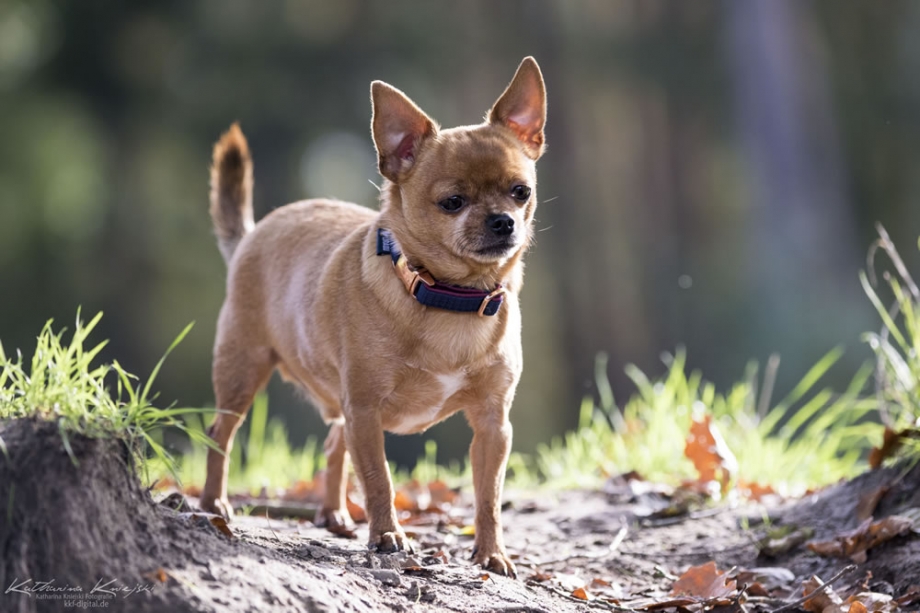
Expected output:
(239, 372)
(334, 514)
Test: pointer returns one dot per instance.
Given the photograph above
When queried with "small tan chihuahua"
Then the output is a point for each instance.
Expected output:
(392, 320)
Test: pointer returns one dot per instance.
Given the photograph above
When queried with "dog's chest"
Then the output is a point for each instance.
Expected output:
(414, 409)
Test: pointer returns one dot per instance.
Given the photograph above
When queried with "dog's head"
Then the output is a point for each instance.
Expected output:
(461, 201)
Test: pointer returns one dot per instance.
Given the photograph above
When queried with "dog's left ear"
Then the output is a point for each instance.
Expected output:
(522, 107)
(399, 128)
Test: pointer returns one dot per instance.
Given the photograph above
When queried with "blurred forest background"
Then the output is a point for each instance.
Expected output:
(713, 174)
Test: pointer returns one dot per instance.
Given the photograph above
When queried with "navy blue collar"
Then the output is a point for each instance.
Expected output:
(421, 286)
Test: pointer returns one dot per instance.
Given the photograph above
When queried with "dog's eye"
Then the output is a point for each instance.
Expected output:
(452, 204)
(520, 193)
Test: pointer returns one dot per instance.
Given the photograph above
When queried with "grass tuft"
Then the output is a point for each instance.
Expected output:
(261, 460)
(897, 344)
(61, 384)
(810, 438)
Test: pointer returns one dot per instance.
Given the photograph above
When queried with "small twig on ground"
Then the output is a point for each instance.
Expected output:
(597, 604)
(267, 521)
(690, 554)
(791, 605)
(279, 511)
(612, 548)
(672, 521)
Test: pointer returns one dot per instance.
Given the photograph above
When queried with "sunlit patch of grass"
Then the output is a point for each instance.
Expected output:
(262, 458)
(897, 344)
(810, 438)
(61, 384)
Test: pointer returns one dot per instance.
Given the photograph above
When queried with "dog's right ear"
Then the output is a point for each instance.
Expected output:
(398, 127)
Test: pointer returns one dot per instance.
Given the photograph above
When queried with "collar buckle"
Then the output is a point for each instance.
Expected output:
(498, 291)
(411, 276)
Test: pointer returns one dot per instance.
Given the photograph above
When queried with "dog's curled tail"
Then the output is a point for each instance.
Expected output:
(231, 190)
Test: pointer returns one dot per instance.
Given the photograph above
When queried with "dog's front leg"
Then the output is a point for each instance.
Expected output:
(489, 456)
(364, 435)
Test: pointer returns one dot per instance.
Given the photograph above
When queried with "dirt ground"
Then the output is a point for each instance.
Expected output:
(77, 527)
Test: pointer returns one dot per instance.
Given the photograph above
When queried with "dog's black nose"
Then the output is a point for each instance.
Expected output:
(502, 224)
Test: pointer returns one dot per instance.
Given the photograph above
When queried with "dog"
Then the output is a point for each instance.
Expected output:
(390, 321)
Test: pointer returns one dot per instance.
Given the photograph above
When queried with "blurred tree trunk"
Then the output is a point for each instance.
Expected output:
(801, 228)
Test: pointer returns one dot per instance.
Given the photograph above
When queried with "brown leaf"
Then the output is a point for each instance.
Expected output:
(910, 597)
(755, 491)
(704, 581)
(441, 493)
(341, 530)
(540, 577)
(656, 605)
(891, 442)
(221, 524)
(159, 575)
(768, 578)
(854, 543)
(709, 453)
(215, 520)
(823, 597)
(193, 491)
(300, 490)
(757, 589)
(581, 593)
(355, 510)
(598, 582)
(403, 502)
(869, 601)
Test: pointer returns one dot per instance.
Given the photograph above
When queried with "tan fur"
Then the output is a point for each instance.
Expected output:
(308, 295)
(231, 190)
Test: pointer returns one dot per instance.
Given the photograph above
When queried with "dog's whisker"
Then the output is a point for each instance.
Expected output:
(548, 200)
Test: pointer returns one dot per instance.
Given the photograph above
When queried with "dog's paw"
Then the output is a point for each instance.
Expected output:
(497, 562)
(336, 521)
(390, 542)
(218, 506)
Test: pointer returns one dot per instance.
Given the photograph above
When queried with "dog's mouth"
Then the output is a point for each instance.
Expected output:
(497, 249)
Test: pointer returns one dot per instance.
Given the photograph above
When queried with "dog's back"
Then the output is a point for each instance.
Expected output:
(275, 267)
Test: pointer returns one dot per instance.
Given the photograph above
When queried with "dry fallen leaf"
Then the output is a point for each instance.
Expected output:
(704, 581)
(159, 575)
(912, 596)
(755, 491)
(891, 442)
(403, 502)
(215, 520)
(355, 510)
(441, 493)
(581, 593)
(823, 597)
(540, 577)
(871, 602)
(826, 600)
(221, 524)
(708, 451)
(855, 543)
(769, 578)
